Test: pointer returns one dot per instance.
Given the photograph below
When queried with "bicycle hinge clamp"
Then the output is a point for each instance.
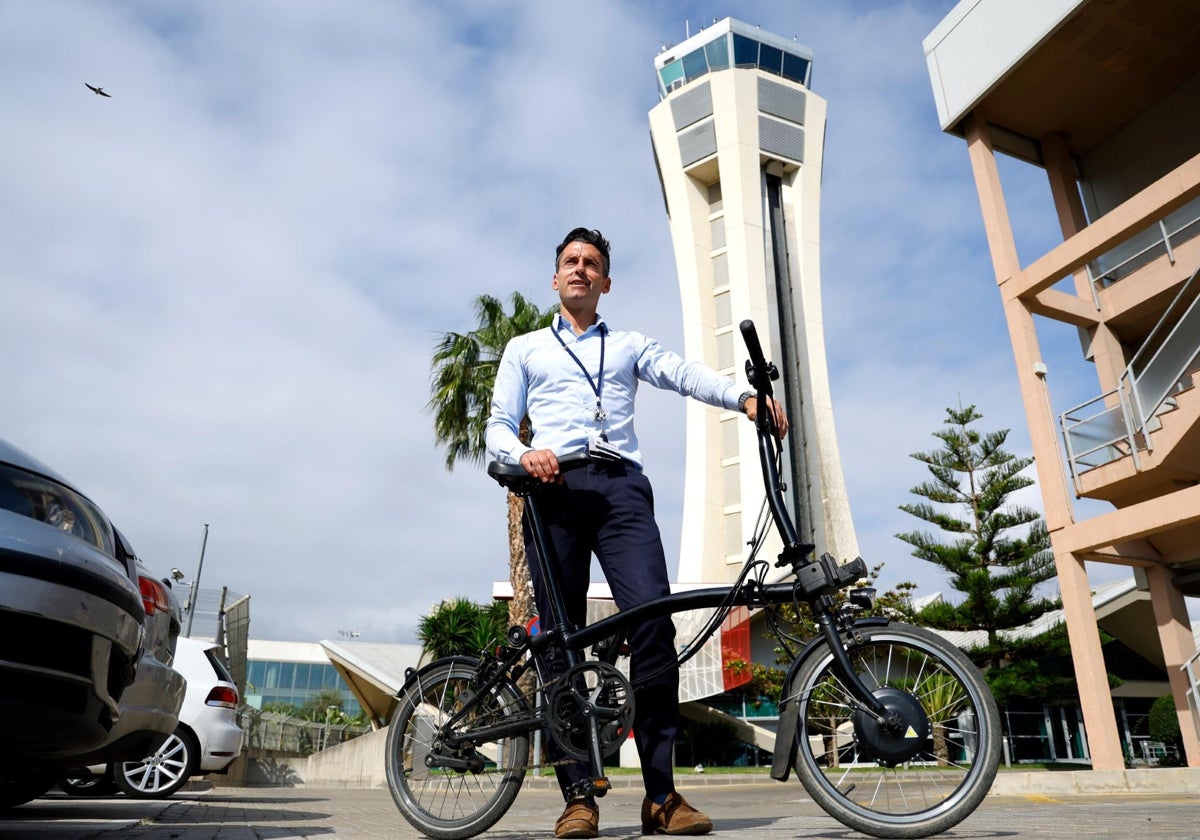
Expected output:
(755, 374)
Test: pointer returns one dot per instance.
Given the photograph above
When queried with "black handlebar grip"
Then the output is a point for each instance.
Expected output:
(750, 336)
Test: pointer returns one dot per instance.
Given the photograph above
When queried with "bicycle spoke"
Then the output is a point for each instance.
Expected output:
(446, 787)
(927, 786)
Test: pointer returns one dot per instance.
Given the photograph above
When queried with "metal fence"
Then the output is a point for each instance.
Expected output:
(296, 736)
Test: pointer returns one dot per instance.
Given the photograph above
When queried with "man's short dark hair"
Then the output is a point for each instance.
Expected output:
(588, 237)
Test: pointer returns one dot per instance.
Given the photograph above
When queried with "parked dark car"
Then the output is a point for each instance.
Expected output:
(150, 707)
(72, 626)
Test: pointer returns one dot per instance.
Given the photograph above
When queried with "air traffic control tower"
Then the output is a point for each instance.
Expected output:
(738, 141)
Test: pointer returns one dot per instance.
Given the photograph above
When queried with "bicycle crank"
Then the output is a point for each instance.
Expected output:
(590, 690)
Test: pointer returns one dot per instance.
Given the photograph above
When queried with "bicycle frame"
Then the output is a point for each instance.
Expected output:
(815, 580)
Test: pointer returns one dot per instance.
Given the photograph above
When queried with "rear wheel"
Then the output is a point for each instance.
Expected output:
(159, 775)
(911, 780)
(83, 782)
(453, 793)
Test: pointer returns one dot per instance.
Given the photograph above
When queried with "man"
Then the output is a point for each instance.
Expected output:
(577, 380)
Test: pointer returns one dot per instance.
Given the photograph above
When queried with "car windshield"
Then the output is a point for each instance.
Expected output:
(57, 506)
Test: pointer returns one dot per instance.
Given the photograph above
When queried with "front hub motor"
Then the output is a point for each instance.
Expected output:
(901, 735)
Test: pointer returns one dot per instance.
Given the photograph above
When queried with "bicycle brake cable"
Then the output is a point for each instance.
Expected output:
(720, 613)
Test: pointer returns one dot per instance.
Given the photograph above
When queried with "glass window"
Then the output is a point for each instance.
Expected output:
(218, 665)
(770, 59)
(255, 672)
(745, 51)
(671, 74)
(695, 64)
(329, 677)
(302, 671)
(720, 267)
(272, 678)
(717, 232)
(287, 674)
(714, 197)
(795, 68)
(717, 53)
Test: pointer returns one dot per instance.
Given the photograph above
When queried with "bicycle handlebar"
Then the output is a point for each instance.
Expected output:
(760, 372)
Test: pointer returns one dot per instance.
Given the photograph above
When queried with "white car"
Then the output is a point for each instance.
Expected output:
(207, 739)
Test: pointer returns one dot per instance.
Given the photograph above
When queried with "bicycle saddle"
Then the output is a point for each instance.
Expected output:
(514, 477)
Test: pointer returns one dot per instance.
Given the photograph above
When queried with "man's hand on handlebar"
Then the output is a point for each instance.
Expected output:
(777, 413)
(541, 464)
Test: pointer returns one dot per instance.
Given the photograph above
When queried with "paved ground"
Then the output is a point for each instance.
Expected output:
(759, 810)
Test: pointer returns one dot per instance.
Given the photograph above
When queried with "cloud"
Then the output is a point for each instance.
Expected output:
(220, 288)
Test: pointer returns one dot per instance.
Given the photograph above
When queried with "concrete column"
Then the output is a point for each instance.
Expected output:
(1178, 644)
(1090, 673)
(1060, 169)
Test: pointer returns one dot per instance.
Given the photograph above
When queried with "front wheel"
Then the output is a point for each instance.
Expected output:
(159, 775)
(453, 792)
(904, 781)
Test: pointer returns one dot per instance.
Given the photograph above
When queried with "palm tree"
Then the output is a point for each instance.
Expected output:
(464, 373)
(458, 627)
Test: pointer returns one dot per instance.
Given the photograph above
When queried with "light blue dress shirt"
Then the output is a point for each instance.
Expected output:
(539, 377)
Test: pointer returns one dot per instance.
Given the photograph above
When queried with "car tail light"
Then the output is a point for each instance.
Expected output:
(154, 596)
(222, 696)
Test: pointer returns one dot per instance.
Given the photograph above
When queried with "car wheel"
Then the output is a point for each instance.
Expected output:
(159, 775)
(14, 792)
(83, 782)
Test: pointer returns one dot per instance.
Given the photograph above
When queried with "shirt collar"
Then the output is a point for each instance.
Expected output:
(560, 324)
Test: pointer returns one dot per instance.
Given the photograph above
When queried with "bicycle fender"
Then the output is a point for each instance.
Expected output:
(412, 674)
(784, 757)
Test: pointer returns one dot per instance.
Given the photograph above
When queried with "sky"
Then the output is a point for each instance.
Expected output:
(221, 287)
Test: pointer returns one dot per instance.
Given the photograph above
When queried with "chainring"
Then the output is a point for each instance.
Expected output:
(601, 688)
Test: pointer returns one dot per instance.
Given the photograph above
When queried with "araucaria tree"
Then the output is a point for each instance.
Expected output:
(464, 373)
(995, 553)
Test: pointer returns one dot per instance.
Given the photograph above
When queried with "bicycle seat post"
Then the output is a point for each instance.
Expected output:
(544, 550)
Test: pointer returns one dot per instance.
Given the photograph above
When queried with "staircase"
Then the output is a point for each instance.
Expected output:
(1142, 439)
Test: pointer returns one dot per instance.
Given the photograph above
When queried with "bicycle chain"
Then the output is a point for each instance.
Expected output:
(546, 688)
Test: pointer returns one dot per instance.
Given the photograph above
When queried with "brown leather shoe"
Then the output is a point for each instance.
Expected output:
(579, 819)
(674, 816)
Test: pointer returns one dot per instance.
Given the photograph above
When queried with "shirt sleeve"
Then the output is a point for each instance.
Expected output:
(661, 368)
(509, 396)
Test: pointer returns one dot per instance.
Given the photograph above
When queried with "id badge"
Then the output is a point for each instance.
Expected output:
(601, 449)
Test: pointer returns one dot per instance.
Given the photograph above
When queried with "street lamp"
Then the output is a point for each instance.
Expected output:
(195, 588)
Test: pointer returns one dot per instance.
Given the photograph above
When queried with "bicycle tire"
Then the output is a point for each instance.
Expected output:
(957, 758)
(449, 804)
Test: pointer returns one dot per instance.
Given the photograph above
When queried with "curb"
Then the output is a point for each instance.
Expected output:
(629, 780)
(1159, 780)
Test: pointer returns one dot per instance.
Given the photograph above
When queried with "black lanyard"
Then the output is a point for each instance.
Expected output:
(597, 383)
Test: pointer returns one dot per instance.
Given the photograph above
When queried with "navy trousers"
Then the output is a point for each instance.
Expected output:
(607, 509)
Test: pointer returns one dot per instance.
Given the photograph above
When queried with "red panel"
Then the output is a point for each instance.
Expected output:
(735, 647)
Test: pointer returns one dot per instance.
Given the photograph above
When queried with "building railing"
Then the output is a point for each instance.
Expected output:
(1160, 238)
(1118, 423)
(1192, 669)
